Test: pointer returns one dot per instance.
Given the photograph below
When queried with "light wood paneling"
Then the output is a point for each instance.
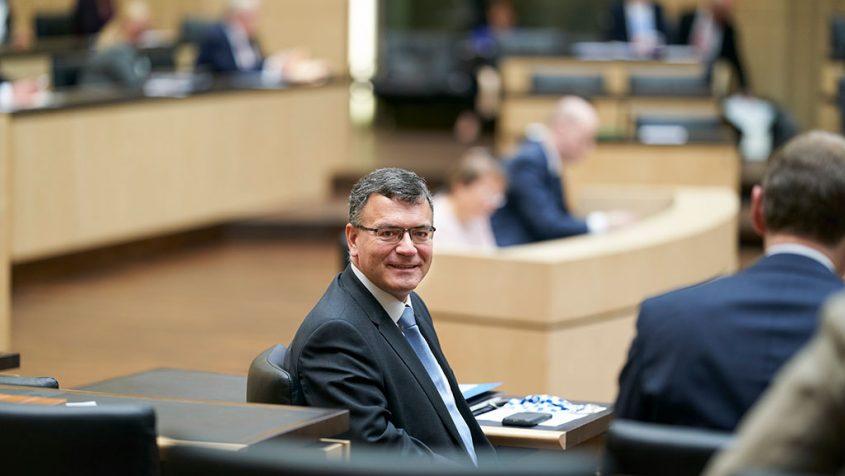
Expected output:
(128, 171)
(5, 235)
(557, 317)
(640, 164)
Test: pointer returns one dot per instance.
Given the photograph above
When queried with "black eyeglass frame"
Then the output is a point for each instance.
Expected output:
(409, 231)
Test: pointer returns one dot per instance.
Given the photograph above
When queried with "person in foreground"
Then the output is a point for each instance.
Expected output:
(799, 424)
(704, 354)
(535, 207)
(369, 344)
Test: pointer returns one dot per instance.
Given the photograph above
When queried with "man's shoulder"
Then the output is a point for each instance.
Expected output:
(681, 307)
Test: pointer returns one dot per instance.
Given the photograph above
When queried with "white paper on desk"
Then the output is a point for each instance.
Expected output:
(81, 404)
(558, 417)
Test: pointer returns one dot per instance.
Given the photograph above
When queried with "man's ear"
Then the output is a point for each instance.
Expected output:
(352, 234)
(758, 216)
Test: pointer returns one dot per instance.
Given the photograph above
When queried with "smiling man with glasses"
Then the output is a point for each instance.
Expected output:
(369, 344)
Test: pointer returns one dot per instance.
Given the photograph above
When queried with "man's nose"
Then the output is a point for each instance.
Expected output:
(406, 245)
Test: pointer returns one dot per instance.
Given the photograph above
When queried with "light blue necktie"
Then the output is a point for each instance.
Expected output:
(412, 334)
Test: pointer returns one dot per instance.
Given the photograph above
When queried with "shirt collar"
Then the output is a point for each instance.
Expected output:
(796, 249)
(392, 306)
(540, 133)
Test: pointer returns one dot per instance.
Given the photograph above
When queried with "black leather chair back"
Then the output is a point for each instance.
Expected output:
(280, 459)
(646, 449)
(268, 382)
(49, 25)
(94, 441)
(42, 382)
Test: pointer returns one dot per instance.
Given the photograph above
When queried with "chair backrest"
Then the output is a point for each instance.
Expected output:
(53, 25)
(278, 458)
(42, 382)
(60, 440)
(635, 448)
(268, 382)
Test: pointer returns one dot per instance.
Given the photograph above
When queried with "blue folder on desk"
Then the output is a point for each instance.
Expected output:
(471, 391)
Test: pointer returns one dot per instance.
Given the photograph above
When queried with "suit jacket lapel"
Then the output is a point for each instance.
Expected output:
(397, 342)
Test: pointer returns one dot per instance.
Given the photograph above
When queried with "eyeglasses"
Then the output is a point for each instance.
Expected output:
(420, 235)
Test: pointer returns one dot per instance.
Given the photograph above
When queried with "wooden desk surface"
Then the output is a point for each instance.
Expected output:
(223, 424)
(178, 383)
(9, 360)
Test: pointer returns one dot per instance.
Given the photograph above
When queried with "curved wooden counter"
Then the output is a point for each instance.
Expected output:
(558, 317)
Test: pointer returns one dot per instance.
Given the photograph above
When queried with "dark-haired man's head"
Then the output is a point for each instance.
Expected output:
(390, 230)
(802, 195)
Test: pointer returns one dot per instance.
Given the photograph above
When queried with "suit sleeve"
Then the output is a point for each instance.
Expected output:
(214, 53)
(539, 206)
(799, 424)
(632, 402)
(336, 370)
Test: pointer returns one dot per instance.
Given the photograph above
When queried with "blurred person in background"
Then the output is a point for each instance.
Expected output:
(231, 46)
(535, 208)
(710, 30)
(116, 61)
(475, 189)
(640, 23)
(90, 16)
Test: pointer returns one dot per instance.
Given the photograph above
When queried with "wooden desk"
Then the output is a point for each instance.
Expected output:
(9, 360)
(558, 317)
(221, 424)
(81, 174)
(178, 383)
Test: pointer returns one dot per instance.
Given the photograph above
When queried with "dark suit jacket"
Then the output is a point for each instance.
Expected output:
(216, 53)
(704, 354)
(728, 51)
(349, 354)
(535, 209)
(617, 28)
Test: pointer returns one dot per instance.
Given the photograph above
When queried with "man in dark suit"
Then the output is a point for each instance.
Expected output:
(369, 344)
(711, 31)
(637, 21)
(704, 354)
(535, 207)
(230, 46)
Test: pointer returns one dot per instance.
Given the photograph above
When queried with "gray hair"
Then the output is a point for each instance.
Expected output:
(393, 183)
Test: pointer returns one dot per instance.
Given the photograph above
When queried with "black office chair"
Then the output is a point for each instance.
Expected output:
(41, 382)
(94, 441)
(53, 25)
(646, 449)
(268, 382)
(298, 461)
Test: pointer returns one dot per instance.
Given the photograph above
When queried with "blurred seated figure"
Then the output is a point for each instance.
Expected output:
(476, 187)
(535, 208)
(116, 61)
(710, 30)
(232, 47)
(798, 427)
(91, 16)
(704, 354)
(640, 23)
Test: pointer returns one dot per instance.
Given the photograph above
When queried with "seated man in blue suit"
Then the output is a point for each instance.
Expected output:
(535, 207)
(231, 46)
(369, 345)
(703, 355)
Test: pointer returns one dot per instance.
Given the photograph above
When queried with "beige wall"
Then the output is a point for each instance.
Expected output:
(319, 26)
